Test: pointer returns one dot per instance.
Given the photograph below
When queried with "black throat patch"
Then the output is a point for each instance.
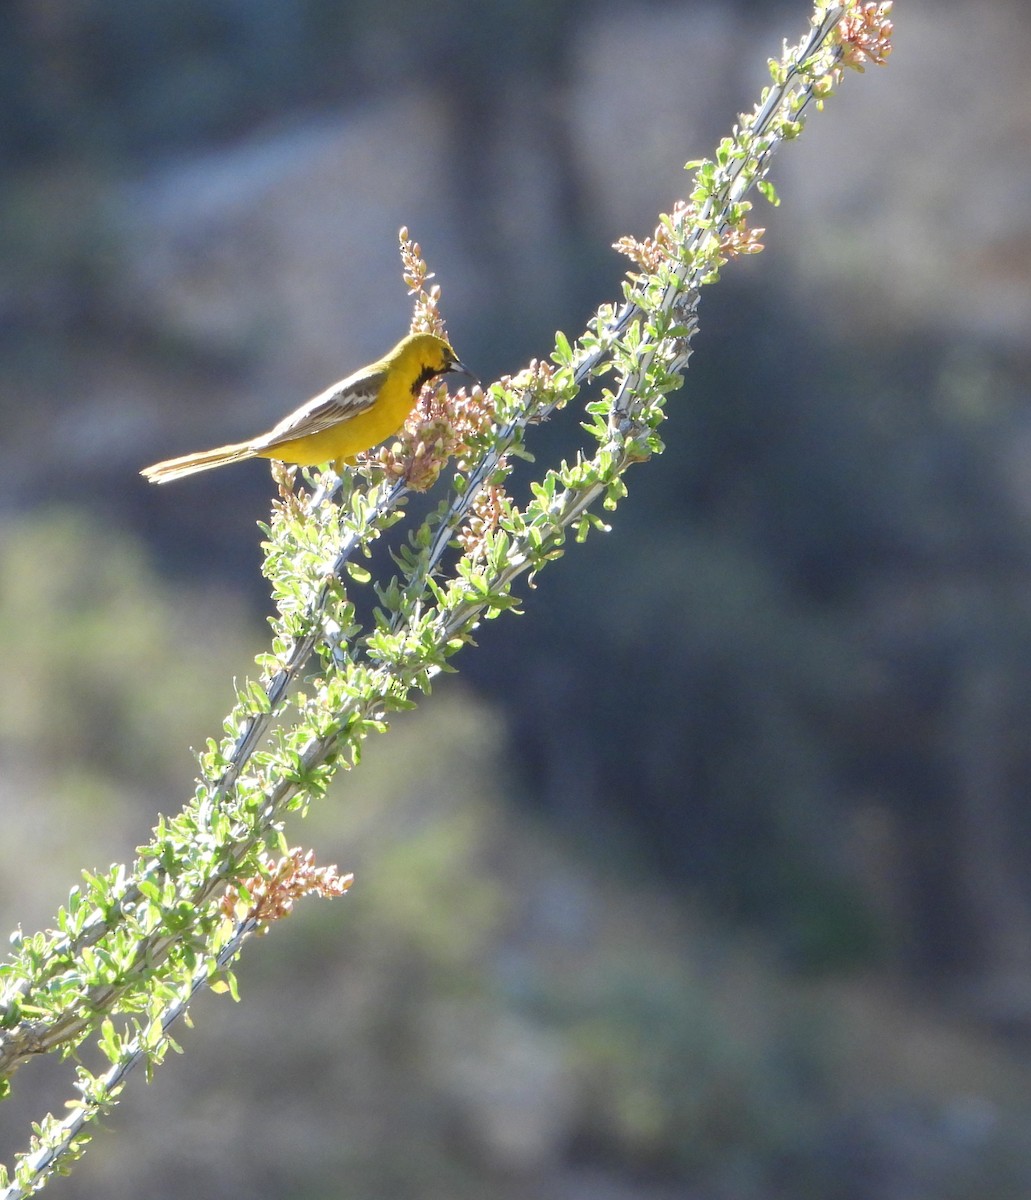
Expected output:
(424, 376)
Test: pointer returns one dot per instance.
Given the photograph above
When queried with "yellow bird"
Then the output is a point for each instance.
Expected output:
(351, 416)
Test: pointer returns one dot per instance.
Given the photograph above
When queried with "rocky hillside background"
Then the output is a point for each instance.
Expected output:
(708, 877)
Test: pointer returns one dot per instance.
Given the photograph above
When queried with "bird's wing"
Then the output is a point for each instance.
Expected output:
(338, 403)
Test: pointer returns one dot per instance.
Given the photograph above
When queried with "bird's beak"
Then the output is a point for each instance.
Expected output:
(459, 368)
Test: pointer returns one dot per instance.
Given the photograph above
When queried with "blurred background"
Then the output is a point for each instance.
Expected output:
(708, 877)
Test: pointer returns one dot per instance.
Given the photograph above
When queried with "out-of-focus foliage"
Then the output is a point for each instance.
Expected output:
(124, 78)
(112, 677)
(495, 1015)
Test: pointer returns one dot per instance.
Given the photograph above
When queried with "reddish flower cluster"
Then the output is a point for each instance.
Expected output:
(484, 518)
(866, 35)
(650, 253)
(272, 896)
(417, 275)
(740, 239)
(441, 424)
(290, 502)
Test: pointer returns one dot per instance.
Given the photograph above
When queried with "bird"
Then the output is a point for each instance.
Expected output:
(353, 415)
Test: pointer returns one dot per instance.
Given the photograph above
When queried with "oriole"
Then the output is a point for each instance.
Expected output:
(351, 416)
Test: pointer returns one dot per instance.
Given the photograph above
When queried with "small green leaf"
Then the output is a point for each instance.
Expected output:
(358, 573)
(768, 191)
(563, 351)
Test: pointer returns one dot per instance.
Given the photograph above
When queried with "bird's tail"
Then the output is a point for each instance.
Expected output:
(189, 464)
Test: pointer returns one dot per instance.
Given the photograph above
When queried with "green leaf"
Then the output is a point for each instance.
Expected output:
(563, 351)
(768, 191)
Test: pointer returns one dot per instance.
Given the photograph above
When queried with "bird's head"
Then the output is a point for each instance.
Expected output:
(434, 356)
